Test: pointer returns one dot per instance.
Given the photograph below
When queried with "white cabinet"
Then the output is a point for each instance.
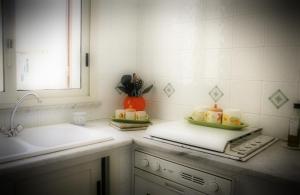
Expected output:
(104, 172)
(80, 176)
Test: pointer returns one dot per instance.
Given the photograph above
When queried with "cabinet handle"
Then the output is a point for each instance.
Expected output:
(87, 59)
(99, 191)
(174, 188)
(10, 53)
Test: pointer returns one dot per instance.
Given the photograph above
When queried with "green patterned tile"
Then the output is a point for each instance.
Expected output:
(278, 99)
(216, 93)
(169, 90)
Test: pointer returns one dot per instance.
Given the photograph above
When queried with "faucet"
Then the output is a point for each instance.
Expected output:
(14, 130)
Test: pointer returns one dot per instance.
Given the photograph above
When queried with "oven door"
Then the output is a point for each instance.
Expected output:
(148, 184)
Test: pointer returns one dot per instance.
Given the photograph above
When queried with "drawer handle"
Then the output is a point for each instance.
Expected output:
(174, 188)
(99, 188)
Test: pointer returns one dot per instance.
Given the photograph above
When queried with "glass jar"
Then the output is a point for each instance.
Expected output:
(294, 128)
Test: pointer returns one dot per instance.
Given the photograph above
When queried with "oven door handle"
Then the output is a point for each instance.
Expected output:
(174, 188)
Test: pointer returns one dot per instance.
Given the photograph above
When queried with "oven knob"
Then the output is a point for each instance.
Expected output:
(155, 166)
(144, 163)
(213, 187)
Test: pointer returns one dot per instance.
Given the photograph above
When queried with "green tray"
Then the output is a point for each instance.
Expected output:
(131, 121)
(214, 125)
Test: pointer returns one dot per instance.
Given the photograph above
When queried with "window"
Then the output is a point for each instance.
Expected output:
(47, 50)
(47, 44)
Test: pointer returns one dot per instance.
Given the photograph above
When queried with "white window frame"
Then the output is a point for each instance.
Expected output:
(50, 97)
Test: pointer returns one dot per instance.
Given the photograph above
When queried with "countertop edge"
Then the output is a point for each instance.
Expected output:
(50, 158)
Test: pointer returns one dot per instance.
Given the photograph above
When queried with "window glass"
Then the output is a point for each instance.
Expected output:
(48, 44)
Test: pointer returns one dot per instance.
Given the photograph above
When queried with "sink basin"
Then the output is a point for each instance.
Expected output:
(58, 135)
(10, 146)
(42, 140)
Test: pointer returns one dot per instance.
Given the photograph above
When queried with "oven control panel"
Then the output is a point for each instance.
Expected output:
(193, 178)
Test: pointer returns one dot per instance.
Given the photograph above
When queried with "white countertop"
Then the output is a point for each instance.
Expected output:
(276, 162)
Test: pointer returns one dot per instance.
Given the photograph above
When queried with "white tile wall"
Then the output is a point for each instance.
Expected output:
(248, 31)
(253, 119)
(275, 126)
(216, 63)
(249, 49)
(245, 7)
(168, 111)
(113, 37)
(247, 63)
(281, 31)
(289, 89)
(218, 33)
(251, 91)
(281, 64)
(218, 8)
(47, 116)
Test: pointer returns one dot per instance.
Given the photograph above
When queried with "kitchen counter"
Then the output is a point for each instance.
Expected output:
(274, 163)
(119, 140)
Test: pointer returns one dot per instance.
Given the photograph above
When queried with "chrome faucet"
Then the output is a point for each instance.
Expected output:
(14, 130)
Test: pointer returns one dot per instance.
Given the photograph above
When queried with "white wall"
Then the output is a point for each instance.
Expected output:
(1, 54)
(113, 49)
(30, 117)
(249, 49)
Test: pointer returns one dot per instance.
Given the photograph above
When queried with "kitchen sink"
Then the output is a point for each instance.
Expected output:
(59, 135)
(11, 146)
(42, 140)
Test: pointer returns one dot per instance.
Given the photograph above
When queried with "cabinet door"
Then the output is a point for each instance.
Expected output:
(76, 180)
(6, 187)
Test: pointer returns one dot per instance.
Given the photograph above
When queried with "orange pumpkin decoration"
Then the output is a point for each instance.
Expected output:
(131, 102)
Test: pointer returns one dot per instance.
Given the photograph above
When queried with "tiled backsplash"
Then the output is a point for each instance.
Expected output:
(239, 53)
(30, 117)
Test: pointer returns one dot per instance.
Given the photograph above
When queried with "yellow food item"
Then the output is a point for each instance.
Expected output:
(231, 117)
